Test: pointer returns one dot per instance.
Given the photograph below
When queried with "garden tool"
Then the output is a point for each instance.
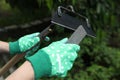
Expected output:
(64, 17)
(68, 18)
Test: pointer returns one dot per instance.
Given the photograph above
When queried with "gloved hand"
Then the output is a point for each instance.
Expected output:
(24, 43)
(54, 60)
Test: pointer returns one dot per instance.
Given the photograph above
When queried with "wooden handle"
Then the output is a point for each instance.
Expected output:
(11, 63)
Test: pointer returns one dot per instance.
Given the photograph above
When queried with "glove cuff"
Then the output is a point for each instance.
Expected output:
(41, 64)
(14, 47)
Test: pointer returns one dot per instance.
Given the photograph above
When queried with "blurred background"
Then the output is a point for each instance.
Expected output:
(98, 59)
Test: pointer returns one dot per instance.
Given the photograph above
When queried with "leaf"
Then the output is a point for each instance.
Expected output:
(49, 4)
(73, 2)
(98, 8)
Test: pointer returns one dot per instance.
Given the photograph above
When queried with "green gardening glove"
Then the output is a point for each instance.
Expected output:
(24, 43)
(54, 60)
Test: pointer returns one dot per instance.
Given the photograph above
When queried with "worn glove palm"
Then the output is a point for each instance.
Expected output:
(24, 43)
(54, 60)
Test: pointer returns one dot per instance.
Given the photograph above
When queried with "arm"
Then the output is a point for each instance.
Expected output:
(52, 60)
(21, 45)
(24, 72)
(4, 47)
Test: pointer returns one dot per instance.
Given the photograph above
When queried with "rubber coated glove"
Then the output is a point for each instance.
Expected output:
(24, 43)
(54, 60)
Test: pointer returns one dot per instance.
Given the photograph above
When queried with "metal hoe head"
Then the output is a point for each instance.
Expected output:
(68, 18)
